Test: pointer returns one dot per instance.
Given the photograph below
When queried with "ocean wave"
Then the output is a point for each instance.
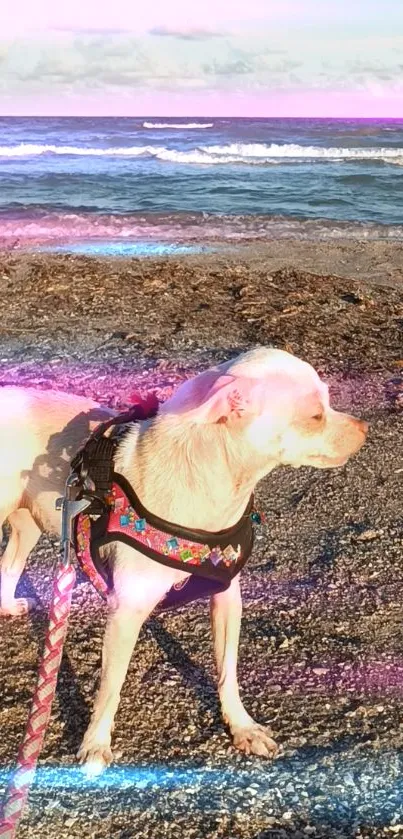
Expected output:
(293, 150)
(235, 153)
(33, 149)
(203, 158)
(178, 125)
(198, 156)
(30, 230)
(258, 154)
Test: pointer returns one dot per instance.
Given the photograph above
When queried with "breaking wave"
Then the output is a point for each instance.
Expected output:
(246, 153)
(294, 151)
(32, 150)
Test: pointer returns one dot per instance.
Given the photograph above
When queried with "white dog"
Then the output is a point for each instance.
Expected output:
(196, 464)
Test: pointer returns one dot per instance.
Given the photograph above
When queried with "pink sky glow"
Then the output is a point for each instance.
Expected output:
(310, 103)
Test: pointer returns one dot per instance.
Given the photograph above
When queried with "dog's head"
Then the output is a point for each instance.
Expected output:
(275, 406)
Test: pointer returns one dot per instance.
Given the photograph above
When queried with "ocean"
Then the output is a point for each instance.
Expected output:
(159, 185)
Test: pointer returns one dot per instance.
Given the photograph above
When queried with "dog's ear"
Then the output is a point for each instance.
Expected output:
(230, 397)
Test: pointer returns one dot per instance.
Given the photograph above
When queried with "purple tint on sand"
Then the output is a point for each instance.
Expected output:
(330, 677)
(103, 382)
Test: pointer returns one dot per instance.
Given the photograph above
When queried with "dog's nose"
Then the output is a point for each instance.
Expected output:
(362, 425)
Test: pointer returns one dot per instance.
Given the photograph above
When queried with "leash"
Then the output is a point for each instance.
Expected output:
(31, 746)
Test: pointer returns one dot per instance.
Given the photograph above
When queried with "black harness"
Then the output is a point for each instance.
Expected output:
(117, 514)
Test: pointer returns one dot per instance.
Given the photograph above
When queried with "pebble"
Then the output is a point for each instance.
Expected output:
(368, 535)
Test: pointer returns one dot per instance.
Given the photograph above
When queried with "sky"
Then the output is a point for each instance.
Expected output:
(308, 58)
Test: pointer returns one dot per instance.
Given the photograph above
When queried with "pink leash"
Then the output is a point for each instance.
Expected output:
(31, 746)
(30, 749)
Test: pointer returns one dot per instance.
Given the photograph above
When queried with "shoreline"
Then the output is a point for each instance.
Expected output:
(374, 261)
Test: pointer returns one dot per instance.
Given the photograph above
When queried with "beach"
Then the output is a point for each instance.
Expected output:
(321, 654)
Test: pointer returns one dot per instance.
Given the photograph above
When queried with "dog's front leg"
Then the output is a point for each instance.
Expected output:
(226, 612)
(122, 629)
(139, 584)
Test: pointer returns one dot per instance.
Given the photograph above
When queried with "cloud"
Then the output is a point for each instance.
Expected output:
(230, 68)
(186, 34)
(185, 59)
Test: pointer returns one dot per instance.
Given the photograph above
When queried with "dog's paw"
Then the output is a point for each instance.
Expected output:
(255, 739)
(18, 607)
(94, 759)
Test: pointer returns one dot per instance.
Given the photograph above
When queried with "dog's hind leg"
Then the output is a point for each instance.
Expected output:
(23, 538)
(248, 736)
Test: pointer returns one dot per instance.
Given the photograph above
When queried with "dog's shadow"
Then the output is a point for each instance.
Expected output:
(50, 470)
(194, 675)
(327, 555)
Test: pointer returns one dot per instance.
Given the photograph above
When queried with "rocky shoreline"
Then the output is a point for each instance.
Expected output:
(322, 641)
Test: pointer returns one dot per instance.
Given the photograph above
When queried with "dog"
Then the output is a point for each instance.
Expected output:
(196, 464)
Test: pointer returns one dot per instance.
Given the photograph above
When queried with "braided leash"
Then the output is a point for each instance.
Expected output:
(30, 749)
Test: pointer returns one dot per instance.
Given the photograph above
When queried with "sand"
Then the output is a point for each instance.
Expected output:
(322, 639)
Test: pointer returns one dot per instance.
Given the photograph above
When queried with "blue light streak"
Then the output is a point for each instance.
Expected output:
(135, 249)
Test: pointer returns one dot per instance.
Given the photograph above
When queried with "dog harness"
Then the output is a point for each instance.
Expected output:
(116, 514)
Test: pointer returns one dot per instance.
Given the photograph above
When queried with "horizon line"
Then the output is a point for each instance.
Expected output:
(190, 116)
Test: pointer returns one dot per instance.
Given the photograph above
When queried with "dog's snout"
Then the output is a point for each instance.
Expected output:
(360, 424)
(363, 426)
